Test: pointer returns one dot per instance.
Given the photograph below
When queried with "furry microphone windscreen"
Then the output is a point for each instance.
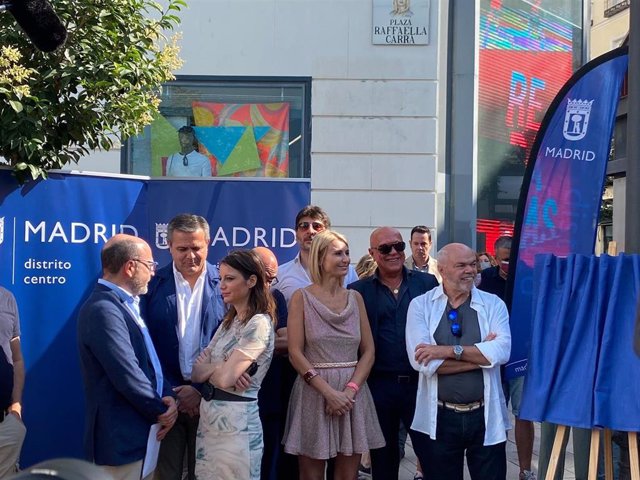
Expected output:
(40, 23)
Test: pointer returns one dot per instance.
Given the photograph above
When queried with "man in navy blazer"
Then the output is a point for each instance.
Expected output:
(183, 309)
(124, 389)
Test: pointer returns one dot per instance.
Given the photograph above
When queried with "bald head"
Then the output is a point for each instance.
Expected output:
(453, 251)
(389, 264)
(119, 249)
(457, 264)
(383, 233)
(269, 260)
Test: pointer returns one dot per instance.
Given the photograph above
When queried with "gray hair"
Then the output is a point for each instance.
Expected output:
(502, 242)
(188, 223)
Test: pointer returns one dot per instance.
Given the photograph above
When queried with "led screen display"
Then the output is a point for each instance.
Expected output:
(527, 51)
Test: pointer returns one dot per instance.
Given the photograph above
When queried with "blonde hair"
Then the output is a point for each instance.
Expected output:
(319, 247)
(366, 266)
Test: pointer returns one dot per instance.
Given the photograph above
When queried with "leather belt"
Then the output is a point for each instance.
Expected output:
(409, 377)
(209, 392)
(461, 407)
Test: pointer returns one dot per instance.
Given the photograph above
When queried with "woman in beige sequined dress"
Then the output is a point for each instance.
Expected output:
(331, 412)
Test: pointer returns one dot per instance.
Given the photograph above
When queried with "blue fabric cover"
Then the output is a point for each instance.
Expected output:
(582, 370)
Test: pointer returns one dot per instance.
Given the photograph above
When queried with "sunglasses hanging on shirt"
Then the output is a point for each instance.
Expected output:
(454, 317)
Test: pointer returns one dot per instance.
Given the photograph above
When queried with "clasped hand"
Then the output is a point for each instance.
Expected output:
(168, 418)
(339, 403)
(188, 400)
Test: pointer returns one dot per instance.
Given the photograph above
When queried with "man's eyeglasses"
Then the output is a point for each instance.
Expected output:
(385, 249)
(317, 226)
(456, 328)
(152, 266)
(185, 161)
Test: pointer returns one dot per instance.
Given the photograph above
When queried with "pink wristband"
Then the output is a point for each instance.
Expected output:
(353, 385)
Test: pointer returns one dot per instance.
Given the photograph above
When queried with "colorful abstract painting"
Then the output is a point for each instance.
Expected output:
(244, 140)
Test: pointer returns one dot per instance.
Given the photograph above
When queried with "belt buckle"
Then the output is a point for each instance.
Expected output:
(461, 408)
(208, 391)
(464, 408)
(404, 378)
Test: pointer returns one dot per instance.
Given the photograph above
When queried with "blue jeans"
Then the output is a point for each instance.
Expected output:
(457, 434)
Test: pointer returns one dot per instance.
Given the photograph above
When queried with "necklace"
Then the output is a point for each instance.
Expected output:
(395, 289)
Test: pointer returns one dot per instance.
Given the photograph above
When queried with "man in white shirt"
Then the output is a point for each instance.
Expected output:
(457, 338)
(294, 274)
(183, 309)
(188, 162)
(420, 248)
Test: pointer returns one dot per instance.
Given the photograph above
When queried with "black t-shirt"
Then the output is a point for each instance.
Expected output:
(492, 282)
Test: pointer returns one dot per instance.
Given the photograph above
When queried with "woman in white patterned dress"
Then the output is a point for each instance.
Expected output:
(229, 443)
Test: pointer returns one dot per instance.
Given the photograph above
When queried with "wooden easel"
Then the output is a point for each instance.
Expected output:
(562, 432)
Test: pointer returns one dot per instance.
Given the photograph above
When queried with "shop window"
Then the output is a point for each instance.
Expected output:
(227, 127)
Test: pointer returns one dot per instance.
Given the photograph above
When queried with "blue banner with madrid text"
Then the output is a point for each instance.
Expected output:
(561, 193)
(51, 234)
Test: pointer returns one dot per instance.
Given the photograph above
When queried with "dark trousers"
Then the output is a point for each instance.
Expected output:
(272, 447)
(458, 433)
(395, 399)
(180, 439)
(276, 464)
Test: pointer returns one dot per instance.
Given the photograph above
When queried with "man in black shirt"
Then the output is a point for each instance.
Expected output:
(393, 382)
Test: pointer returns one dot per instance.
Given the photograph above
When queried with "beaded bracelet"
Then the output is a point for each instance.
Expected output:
(311, 373)
(353, 385)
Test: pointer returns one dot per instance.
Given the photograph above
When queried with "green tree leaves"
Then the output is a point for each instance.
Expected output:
(102, 86)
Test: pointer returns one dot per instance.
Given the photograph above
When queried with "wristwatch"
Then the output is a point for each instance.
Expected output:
(457, 351)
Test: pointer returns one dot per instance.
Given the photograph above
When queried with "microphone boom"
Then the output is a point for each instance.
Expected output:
(40, 23)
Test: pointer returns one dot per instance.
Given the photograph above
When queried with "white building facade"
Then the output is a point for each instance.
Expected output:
(387, 133)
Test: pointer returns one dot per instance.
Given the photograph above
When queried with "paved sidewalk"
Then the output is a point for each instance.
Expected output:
(408, 465)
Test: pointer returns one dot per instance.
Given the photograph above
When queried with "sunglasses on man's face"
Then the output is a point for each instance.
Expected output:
(456, 328)
(385, 249)
(317, 226)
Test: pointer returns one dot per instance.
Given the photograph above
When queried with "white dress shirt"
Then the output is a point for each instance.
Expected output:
(198, 165)
(293, 276)
(188, 328)
(423, 317)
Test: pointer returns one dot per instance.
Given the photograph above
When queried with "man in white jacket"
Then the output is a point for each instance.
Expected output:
(457, 338)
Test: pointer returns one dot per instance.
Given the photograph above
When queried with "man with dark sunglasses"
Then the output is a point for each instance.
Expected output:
(392, 381)
(457, 338)
(294, 274)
